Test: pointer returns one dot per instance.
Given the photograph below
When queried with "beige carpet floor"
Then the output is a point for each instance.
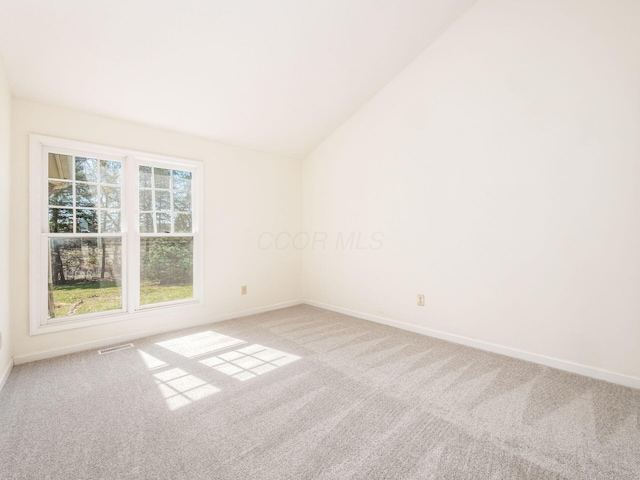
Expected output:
(303, 393)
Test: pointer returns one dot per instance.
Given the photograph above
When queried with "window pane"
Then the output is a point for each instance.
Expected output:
(146, 204)
(182, 180)
(161, 178)
(60, 193)
(86, 195)
(110, 197)
(110, 221)
(163, 222)
(85, 275)
(87, 169)
(163, 200)
(86, 221)
(145, 177)
(166, 269)
(146, 223)
(182, 201)
(60, 220)
(110, 172)
(60, 166)
(182, 223)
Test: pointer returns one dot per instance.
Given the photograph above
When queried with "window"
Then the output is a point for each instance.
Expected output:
(114, 234)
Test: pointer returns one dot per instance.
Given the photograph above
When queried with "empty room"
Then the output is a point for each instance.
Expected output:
(320, 239)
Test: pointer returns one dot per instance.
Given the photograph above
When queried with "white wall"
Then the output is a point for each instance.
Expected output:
(246, 193)
(503, 168)
(5, 122)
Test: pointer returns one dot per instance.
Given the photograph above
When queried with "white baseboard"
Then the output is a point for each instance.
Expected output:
(600, 374)
(4, 376)
(80, 347)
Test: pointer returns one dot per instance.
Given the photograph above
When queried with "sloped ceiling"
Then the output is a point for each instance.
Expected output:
(274, 75)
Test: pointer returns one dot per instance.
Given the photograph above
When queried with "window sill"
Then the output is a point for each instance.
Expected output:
(114, 317)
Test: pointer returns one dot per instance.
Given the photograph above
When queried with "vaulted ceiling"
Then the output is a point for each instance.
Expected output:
(274, 75)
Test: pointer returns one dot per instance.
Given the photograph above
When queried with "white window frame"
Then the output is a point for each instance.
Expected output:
(39, 147)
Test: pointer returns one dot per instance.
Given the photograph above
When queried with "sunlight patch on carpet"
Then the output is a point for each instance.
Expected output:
(179, 388)
(199, 343)
(249, 362)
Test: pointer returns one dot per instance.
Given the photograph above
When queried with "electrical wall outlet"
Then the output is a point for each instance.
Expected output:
(421, 300)
(243, 290)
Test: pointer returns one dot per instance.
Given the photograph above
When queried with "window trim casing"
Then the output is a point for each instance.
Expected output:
(130, 233)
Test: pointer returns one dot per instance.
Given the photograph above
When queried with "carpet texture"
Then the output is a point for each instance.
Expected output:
(303, 393)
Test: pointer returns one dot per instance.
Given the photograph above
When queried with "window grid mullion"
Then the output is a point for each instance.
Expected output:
(171, 204)
(130, 188)
(154, 215)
